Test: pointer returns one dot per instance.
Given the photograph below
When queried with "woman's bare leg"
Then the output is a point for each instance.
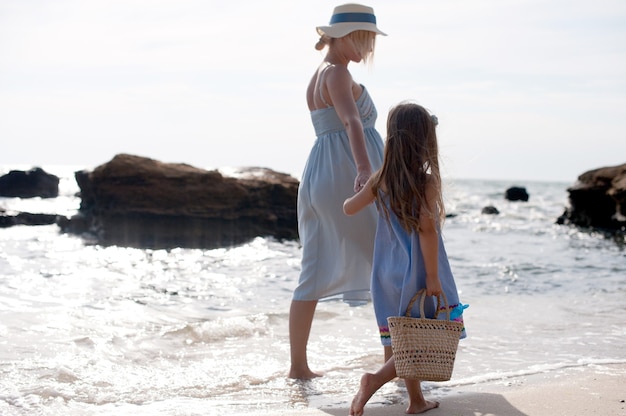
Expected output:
(300, 320)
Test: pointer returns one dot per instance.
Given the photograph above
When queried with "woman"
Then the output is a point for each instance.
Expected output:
(336, 250)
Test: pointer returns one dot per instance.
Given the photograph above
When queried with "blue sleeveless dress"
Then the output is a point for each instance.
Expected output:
(398, 273)
(336, 249)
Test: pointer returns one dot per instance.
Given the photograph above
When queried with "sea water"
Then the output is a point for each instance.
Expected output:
(87, 329)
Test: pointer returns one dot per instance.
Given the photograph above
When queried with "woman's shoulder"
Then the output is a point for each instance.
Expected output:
(336, 73)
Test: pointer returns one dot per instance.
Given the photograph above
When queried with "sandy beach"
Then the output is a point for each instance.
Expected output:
(579, 391)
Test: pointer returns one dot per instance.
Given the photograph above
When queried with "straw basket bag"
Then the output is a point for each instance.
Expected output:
(424, 349)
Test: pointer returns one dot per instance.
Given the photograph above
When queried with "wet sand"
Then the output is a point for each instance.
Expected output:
(578, 391)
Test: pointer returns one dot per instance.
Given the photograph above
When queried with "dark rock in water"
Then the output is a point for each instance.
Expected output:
(516, 193)
(140, 202)
(78, 224)
(26, 218)
(29, 184)
(490, 210)
(598, 200)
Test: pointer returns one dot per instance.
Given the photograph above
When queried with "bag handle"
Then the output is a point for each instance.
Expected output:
(437, 309)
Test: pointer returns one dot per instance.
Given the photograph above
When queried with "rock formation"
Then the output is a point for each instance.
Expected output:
(598, 200)
(516, 193)
(490, 210)
(29, 184)
(26, 218)
(140, 202)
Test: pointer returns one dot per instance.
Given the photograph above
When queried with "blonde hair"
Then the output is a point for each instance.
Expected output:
(364, 41)
(411, 161)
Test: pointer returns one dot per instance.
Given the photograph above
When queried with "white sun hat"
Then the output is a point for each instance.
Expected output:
(348, 18)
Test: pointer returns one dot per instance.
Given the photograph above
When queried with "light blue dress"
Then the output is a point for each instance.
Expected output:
(398, 273)
(336, 249)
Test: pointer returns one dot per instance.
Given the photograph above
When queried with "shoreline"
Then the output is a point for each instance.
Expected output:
(576, 391)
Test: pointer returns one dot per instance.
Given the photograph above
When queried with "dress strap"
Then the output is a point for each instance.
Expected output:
(321, 89)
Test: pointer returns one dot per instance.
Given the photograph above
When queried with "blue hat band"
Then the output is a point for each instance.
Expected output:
(353, 18)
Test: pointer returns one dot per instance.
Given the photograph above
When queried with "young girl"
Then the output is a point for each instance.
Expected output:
(408, 250)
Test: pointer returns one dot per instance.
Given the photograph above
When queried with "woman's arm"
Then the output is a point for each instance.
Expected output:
(339, 84)
(429, 240)
(359, 200)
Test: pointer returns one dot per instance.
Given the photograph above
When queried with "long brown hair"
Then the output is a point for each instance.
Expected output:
(411, 160)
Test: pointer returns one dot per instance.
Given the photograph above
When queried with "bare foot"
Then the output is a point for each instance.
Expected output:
(304, 374)
(422, 407)
(367, 389)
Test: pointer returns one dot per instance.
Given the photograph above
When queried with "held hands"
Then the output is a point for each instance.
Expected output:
(361, 198)
(361, 180)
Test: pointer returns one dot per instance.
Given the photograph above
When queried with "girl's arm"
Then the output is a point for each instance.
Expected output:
(429, 240)
(339, 84)
(359, 200)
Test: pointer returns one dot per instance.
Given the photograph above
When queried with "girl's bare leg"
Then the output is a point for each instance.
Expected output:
(370, 383)
(300, 321)
(417, 403)
(388, 352)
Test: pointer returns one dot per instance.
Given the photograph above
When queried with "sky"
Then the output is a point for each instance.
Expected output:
(523, 89)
